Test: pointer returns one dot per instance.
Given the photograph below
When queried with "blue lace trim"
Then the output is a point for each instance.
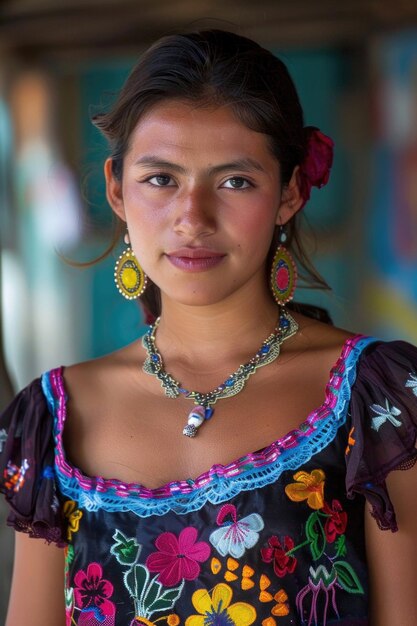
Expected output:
(220, 488)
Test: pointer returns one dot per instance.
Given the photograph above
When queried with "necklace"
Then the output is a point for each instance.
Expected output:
(203, 410)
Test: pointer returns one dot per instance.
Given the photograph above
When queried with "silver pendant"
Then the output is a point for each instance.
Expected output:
(195, 419)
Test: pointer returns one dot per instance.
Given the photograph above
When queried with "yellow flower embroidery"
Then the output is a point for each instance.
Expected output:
(219, 605)
(308, 487)
(73, 516)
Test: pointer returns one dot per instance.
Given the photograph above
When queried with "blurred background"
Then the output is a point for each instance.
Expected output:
(355, 67)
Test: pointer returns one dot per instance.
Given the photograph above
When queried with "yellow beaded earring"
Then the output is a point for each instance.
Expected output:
(131, 281)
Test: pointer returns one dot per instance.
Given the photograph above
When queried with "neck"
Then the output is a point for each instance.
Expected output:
(227, 331)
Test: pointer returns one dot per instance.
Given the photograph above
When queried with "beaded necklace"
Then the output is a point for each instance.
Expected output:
(203, 410)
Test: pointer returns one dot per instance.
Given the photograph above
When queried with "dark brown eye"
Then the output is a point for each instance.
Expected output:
(237, 182)
(160, 180)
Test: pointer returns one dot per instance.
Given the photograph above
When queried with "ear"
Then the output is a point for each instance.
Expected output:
(114, 193)
(291, 199)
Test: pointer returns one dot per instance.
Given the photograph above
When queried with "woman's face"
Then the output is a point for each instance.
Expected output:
(201, 196)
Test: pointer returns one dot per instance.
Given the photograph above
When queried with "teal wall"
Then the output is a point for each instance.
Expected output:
(114, 321)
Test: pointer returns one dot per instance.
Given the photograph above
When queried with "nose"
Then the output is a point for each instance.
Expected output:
(195, 214)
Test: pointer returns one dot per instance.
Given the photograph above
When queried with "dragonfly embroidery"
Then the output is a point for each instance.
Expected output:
(412, 383)
(385, 414)
(3, 438)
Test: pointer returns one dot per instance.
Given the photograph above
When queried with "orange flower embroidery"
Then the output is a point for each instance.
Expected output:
(351, 441)
(308, 487)
(281, 608)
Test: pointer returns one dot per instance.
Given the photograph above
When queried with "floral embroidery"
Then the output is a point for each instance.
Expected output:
(319, 581)
(232, 565)
(351, 441)
(308, 487)
(336, 522)
(148, 594)
(411, 383)
(325, 525)
(125, 550)
(235, 536)
(217, 610)
(178, 558)
(15, 476)
(3, 438)
(247, 582)
(281, 608)
(341, 576)
(73, 516)
(92, 592)
(171, 620)
(278, 554)
(384, 414)
(69, 591)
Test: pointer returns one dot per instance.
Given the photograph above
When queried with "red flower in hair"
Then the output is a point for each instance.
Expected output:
(315, 169)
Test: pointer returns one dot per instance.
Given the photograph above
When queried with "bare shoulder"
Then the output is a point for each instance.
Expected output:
(318, 337)
(100, 392)
(83, 381)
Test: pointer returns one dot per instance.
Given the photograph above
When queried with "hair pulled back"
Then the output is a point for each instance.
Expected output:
(215, 68)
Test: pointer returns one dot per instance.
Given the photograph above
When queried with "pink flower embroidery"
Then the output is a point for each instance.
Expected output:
(92, 591)
(178, 558)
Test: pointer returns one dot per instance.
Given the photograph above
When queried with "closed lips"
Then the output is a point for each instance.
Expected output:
(195, 253)
(195, 259)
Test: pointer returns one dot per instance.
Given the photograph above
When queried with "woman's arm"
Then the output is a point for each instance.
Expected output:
(393, 556)
(37, 595)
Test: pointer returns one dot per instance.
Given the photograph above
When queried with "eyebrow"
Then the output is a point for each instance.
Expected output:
(245, 164)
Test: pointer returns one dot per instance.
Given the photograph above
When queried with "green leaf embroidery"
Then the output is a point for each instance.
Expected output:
(153, 593)
(166, 599)
(347, 577)
(70, 554)
(161, 605)
(155, 598)
(173, 594)
(340, 545)
(315, 535)
(136, 579)
(125, 549)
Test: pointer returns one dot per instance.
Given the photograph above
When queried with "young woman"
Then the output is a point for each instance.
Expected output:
(258, 489)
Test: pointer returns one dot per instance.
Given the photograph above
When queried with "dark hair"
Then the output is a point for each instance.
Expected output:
(215, 67)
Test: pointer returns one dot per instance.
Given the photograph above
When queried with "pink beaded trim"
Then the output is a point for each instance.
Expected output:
(253, 460)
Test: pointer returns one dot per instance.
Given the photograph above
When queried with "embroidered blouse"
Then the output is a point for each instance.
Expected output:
(274, 538)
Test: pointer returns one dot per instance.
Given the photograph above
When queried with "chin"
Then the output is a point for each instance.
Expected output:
(200, 298)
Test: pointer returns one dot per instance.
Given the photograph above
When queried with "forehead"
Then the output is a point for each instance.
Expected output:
(192, 128)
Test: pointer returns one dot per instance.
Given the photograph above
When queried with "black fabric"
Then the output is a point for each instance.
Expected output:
(27, 475)
(386, 386)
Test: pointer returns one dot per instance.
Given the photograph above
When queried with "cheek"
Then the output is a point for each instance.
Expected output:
(256, 230)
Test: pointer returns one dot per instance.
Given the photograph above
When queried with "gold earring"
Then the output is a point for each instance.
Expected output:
(131, 281)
